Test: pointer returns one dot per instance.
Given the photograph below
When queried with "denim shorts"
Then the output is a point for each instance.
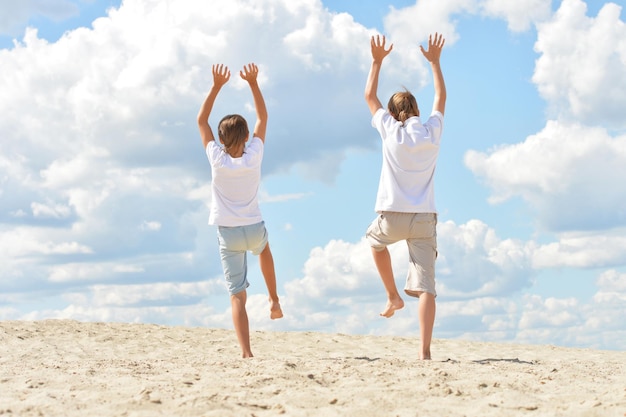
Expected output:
(234, 243)
(419, 230)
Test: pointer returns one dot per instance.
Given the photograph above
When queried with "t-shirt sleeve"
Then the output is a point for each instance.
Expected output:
(384, 122)
(434, 124)
(377, 118)
(212, 151)
(254, 150)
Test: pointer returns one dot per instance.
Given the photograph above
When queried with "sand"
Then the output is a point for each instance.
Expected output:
(69, 368)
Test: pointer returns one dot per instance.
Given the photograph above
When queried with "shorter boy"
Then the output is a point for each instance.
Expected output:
(236, 174)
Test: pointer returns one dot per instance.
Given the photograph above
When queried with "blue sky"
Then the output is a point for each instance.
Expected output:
(104, 186)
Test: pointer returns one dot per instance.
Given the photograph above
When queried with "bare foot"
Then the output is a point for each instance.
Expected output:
(275, 311)
(425, 357)
(247, 355)
(392, 306)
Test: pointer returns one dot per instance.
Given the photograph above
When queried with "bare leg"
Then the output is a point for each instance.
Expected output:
(426, 310)
(240, 320)
(266, 262)
(382, 259)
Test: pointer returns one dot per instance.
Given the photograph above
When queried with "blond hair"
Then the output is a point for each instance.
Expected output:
(403, 105)
(233, 131)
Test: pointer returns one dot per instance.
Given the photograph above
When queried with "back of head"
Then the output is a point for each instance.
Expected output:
(403, 105)
(233, 131)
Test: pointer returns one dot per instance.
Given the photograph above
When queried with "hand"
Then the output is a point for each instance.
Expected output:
(221, 75)
(378, 49)
(249, 72)
(434, 48)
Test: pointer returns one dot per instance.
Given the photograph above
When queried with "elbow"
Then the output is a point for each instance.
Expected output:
(202, 119)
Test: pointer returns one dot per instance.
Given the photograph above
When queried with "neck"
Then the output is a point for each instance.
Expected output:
(236, 152)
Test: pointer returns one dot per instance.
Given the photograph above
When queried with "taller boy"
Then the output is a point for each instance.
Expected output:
(405, 201)
(236, 172)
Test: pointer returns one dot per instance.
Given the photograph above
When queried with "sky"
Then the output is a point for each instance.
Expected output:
(105, 187)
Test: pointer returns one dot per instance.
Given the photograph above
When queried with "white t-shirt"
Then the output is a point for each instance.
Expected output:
(409, 158)
(235, 185)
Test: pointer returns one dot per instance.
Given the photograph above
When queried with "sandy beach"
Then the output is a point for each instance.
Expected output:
(69, 368)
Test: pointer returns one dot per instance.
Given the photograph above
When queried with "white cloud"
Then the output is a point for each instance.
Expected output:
(561, 173)
(582, 68)
(100, 143)
(20, 242)
(151, 226)
(57, 211)
(582, 250)
(519, 14)
(611, 281)
(474, 262)
(426, 17)
(595, 324)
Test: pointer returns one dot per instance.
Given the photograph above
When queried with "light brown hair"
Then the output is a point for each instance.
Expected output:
(233, 131)
(403, 105)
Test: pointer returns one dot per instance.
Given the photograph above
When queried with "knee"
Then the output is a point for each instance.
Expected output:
(239, 297)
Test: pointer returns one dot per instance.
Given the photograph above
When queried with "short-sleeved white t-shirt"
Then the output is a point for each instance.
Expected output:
(235, 185)
(409, 158)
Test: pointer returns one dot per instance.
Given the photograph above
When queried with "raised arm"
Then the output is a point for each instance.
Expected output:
(371, 87)
(221, 75)
(249, 73)
(432, 55)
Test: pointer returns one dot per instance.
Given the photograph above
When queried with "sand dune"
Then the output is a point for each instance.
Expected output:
(69, 368)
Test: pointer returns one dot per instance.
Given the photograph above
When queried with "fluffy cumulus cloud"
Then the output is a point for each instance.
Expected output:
(581, 70)
(596, 323)
(101, 161)
(567, 174)
(563, 173)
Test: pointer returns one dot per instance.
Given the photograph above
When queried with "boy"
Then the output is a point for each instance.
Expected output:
(405, 199)
(236, 173)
